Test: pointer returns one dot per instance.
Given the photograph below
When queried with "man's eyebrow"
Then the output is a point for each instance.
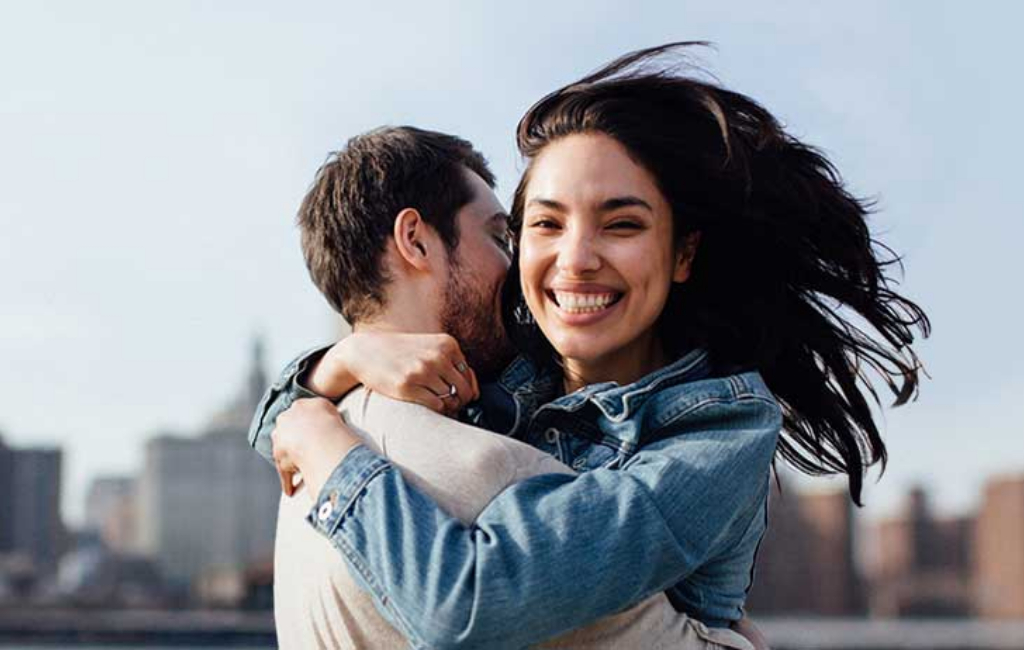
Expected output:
(499, 217)
(606, 206)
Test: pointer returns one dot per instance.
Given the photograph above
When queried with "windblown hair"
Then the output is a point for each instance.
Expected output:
(787, 278)
(348, 214)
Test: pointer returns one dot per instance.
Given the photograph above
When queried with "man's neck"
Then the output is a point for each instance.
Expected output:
(406, 323)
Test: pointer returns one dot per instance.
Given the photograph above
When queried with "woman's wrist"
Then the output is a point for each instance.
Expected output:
(331, 376)
(318, 467)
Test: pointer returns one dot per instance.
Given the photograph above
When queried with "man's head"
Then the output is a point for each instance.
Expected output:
(404, 220)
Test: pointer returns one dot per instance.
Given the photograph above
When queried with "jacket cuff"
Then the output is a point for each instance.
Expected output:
(281, 395)
(344, 487)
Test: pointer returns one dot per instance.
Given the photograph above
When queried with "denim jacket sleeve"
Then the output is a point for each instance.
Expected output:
(554, 552)
(281, 394)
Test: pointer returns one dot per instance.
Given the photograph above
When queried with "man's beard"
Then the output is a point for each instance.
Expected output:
(471, 316)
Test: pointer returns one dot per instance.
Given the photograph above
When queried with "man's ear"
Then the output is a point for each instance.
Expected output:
(412, 239)
(684, 257)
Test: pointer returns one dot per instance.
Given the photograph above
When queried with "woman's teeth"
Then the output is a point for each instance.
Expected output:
(583, 303)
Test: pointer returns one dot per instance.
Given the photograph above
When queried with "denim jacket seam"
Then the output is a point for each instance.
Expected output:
(646, 390)
(671, 417)
(356, 562)
(368, 475)
(615, 443)
(763, 508)
(296, 366)
(288, 378)
(261, 416)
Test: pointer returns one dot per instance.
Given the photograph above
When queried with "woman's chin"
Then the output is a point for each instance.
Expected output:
(581, 353)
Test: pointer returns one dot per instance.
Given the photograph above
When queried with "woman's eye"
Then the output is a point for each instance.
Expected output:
(625, 225)
(544, 223)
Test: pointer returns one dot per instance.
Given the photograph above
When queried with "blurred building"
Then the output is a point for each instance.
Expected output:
(922, 565)
(999, 550)
(111, 512)
(209, 503)
(6, 497)
(92, 575)
(30, 519)
(805, 564)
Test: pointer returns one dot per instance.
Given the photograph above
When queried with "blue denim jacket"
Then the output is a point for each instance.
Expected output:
(672, 497)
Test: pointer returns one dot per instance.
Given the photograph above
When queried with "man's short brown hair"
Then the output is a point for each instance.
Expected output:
(348, 214)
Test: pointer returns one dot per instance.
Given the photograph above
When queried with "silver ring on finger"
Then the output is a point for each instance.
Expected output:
(452, 392)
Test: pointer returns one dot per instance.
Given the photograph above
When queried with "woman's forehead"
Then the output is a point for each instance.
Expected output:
(588, 169)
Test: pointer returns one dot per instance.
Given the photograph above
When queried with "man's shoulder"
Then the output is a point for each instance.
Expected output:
(405, 430)
(363, 407)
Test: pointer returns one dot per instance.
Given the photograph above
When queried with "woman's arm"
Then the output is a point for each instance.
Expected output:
(410, 367)
(553, 552)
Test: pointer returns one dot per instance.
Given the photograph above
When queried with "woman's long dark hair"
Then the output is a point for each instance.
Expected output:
(787, 278)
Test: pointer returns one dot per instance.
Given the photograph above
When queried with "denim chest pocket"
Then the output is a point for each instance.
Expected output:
(584, 455)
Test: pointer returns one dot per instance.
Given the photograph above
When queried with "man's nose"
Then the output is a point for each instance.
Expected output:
(578, 254)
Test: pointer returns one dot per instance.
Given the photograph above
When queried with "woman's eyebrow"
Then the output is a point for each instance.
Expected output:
(624, 202)
(547, 203)
(608, 205)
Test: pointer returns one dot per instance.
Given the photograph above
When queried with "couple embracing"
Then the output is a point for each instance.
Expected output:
(556, 428)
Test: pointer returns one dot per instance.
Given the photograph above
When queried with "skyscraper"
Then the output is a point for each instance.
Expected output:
(30, 519)
(210, 502)
(999, 550)
(111, 511)
(805, 564)
(922, 563)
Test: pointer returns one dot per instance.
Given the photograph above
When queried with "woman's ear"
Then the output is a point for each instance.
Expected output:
(684, 257)
(412, 239)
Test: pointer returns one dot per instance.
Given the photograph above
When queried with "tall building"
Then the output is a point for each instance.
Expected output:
(111, 512)
(922, 565)
(805, 564)
(999, 550)
(6, 497)
(210, 502)
(30, 519)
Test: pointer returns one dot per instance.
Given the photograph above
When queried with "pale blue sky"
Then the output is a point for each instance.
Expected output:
(152, 156)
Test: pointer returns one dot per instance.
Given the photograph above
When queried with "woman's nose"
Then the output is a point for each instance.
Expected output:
(577, 254)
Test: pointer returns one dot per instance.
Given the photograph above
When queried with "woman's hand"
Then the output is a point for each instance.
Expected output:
(427, 369)
(310, 439)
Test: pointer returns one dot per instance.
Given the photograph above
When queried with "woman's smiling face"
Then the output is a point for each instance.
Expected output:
(598, 257)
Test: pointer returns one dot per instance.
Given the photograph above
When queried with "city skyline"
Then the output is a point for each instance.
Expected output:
(155, 156)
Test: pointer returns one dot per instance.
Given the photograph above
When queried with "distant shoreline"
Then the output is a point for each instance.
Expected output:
(139, 628)
(23, 629)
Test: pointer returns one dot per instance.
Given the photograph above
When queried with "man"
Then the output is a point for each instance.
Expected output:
(401, 232)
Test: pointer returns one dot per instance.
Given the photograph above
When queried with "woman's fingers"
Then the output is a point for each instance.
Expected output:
(425, 397)
(476, 384)
(458, 385)
(289, 475)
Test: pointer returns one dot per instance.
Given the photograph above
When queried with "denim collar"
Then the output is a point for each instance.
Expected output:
(532, 384)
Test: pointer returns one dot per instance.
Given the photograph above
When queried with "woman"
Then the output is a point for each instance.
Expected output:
(685, 265)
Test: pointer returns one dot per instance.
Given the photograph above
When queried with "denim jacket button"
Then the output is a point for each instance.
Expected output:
(325, 510)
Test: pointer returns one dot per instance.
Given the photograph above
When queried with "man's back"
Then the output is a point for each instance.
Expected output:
(318, 603)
